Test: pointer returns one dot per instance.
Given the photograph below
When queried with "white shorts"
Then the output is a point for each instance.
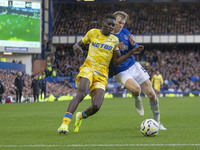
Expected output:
(136, 72)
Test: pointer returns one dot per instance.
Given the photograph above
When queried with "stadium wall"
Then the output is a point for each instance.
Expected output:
(14, 66)
(39, 66)
(154, 39)
(25, 58)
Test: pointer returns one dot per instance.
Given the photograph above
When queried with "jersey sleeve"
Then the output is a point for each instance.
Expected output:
(87, 37)
(130, 46)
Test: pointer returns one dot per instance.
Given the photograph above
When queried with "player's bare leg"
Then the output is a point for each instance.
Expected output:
(97, 100)
(154, 102)
(135, 89)
(81, 93)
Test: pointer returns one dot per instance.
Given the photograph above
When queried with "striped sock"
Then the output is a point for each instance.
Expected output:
(82, 115)
(67, 118)
(155, 110)
(138, 98)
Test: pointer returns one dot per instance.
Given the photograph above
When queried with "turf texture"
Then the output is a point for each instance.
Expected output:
(116, 126)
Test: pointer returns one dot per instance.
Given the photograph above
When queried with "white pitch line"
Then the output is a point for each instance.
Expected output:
(104, 145)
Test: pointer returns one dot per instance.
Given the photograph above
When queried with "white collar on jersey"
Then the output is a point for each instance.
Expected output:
(115, 33)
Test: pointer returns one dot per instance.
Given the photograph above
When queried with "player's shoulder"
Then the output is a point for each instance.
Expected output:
(126, 31)
(94, 31)
(114, 38)
(155, 75)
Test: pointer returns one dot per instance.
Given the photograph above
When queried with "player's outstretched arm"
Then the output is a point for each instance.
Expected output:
(121, 46)
(137, 49)
(132, 39)
(118, 59)
(78, 48)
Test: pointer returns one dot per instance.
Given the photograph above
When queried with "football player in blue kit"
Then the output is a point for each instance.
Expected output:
(130, 74)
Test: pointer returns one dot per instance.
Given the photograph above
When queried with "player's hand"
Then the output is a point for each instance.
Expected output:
(131, 39)
(77, 50)
(138, 49)
(121, 46)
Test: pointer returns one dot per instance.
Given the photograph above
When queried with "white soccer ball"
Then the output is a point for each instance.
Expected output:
(149, 127)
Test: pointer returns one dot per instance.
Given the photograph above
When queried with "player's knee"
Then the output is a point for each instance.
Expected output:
(81, 94)
(136, 90)
(152, 95)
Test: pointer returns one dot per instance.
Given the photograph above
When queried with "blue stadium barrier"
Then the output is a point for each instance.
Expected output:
(57, 79)
(177, 92)
(14, 66)
(113, 84)
(194, 79)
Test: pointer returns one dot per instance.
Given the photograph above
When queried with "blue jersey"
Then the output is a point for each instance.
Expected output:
(123, 37)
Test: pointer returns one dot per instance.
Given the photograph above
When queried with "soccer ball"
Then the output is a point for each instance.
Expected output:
(149, 127)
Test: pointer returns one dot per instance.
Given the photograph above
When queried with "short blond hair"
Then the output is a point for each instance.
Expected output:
(122, 14)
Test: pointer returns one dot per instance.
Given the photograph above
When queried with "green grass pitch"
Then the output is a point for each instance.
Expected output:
(114, 127)
(19, 28)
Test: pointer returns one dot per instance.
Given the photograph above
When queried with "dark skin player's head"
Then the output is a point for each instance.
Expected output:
(108, 24)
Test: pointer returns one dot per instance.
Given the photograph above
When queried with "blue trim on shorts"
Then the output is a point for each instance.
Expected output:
(100, 74)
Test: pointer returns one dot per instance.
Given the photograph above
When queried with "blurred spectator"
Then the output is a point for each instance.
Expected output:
(3, 59)
(2, 90)
(67, 83)
(66, 63)
(43, 86)
(8, 78)
(36, 87)
(19, 84)
(178, 65)
(144, 18)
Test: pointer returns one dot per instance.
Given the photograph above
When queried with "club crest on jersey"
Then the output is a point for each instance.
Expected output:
(125, 48)
(125, 37)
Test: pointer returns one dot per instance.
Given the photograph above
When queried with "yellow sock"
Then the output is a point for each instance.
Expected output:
(82, 115)
(67, 118)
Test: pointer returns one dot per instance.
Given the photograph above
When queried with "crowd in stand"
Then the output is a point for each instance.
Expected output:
(144, 18)
(66, 64)
(179, 66)
(7, 78)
